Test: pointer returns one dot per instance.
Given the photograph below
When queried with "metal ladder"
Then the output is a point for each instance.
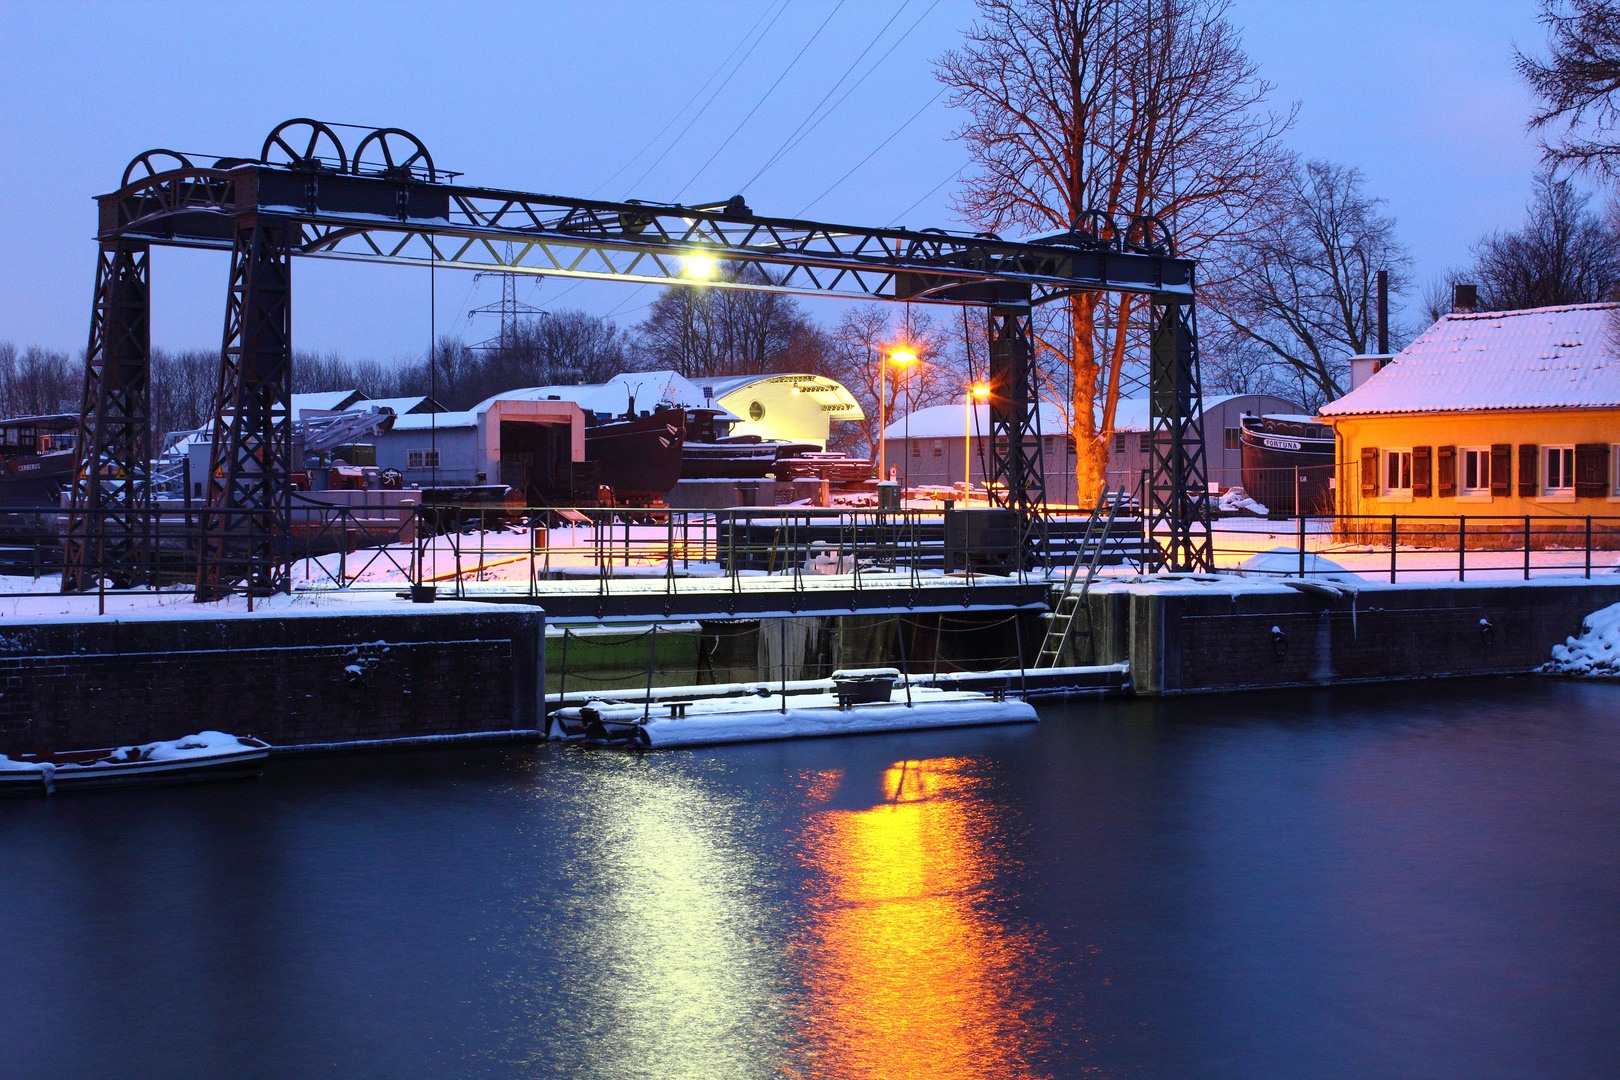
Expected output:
(1070, 604)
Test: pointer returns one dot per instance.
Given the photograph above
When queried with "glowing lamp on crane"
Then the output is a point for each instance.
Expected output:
(699, 266)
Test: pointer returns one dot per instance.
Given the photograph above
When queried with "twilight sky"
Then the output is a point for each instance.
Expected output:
(599, 99)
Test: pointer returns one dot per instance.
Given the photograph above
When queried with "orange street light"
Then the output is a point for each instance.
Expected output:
(901, 357)
(977, 392)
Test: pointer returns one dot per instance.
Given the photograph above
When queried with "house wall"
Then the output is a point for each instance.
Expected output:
(1517, 429)
(458, 455)
(938, 463)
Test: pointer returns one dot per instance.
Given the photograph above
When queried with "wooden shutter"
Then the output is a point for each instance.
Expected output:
(1369, 471)
(1502, 469)
(1420, 472)
(1591, 470)
(1447, 469)
(1529, 469)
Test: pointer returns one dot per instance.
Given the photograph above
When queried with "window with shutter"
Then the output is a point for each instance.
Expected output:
(1591, 470)
(1420, 472)
(1446, 470)
(1502, 469)
(1529, 466)
(1369, 471)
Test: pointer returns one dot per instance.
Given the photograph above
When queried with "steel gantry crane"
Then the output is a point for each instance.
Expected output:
(306, 195)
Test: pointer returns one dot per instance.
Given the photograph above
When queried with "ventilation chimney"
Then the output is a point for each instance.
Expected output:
(1383, 311)
(1464, 298)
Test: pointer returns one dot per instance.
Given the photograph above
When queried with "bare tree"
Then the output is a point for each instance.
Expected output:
(1578, 84)
(866, 336)
(700, 331)
(1130, 107)
(1306, 287)
(38, 381)
(1564, 254)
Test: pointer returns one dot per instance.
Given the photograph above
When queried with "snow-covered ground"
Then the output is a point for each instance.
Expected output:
(1596, 652)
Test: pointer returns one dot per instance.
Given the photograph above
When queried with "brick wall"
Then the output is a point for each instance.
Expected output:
(1184, 642)
(288, 679)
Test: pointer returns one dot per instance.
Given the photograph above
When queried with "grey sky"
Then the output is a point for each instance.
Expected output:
(561, 97)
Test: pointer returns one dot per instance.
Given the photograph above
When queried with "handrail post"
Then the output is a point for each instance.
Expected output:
(1462, 548)
(1527, 547)
(1300, 518)
(1589, 546)
(1394, 546)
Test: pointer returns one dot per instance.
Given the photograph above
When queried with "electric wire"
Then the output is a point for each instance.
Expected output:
(874, 152)
(762, 36)
(762, 98)
(955, 173)
(792, 139)
(682, 110)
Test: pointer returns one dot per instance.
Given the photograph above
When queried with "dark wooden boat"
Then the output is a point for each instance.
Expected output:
(208, 755)
(639, 457)
(1288, 463)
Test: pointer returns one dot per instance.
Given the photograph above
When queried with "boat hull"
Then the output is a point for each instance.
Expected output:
(1286, 471)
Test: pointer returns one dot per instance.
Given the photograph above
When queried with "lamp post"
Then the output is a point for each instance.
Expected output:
(900, 358)
(976, 393)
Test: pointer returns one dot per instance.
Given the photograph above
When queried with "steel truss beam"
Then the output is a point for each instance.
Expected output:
(1177, 494)
(109, 531)
(248, 519)
(415, 223)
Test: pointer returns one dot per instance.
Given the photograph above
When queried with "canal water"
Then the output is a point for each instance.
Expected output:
(1393, 881)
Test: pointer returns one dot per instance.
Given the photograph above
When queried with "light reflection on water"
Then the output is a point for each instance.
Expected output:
(906, 976)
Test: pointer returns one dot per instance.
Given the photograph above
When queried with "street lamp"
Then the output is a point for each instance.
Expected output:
(976, 393)
(900, 358)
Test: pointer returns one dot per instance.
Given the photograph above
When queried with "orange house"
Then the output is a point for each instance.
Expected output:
(1491, 417)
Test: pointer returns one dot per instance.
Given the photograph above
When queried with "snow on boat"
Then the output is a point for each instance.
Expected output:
(762, 719)
(208, 755)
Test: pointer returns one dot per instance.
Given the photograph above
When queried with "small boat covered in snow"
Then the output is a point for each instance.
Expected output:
(861, 704)
(208, 755)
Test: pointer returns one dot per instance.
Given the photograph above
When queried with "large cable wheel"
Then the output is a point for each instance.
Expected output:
(153, 162)
(401, 154)
(304, 144)
(1150, 236)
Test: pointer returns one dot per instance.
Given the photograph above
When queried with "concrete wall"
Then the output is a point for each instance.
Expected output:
(1186, 640)
(290, 679)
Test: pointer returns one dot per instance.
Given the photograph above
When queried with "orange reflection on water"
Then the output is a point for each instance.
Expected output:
(906, 978)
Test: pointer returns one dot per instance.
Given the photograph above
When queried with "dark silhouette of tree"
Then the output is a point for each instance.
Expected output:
(1564, 254)
(704, 330)
(1577, 83)
(1306, 287)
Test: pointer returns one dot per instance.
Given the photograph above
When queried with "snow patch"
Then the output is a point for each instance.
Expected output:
(1596, 653)
(1285, 562)
(1235, 499)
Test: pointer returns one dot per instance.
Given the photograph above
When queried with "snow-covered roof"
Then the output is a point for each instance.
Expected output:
(325, 400)
(1539, 358)
(949, 421)
(833, 395)
(403, 405)
(1136, 413)
(435, 421)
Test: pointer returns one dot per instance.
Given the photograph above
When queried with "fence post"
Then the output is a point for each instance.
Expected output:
(1462, 549)
(1394, 546)
(1300, 517)
(562, 677)
(1588, 546)
(1527, 547)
